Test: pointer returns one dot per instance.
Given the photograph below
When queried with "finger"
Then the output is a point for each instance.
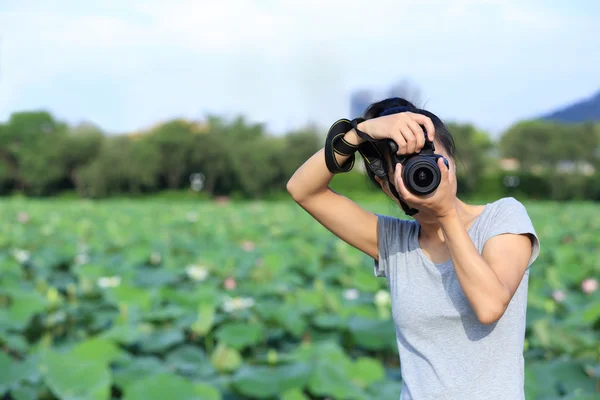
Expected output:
(401, 142)
(419, 134)
(400, 186)
(444, 170)
(426, 121)
(409, 136)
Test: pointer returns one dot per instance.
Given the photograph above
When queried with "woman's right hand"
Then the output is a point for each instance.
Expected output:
(403, 128)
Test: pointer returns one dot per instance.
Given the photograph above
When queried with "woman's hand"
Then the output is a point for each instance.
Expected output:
(440, 203)
(403, 128)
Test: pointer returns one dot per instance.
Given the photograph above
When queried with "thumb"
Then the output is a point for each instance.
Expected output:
(398, 173)
(443, 168)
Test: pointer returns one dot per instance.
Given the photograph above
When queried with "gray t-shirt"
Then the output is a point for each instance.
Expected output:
(445, 352)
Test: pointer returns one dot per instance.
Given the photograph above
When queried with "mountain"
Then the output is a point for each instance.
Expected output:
(581, 111)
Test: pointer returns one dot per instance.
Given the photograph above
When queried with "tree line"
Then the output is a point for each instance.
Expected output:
(42, 156)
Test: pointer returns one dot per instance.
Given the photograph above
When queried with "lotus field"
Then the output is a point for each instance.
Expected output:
(149, 299)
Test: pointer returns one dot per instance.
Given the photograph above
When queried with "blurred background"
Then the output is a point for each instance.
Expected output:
(148, 247)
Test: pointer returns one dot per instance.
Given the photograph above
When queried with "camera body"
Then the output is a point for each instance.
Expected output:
(420, 171)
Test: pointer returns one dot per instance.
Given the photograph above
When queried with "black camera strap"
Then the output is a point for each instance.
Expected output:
(335, 143)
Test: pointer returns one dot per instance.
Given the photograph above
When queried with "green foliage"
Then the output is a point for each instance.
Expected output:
(547, 143)
(135, 299)
(40, 156)
(472, 158)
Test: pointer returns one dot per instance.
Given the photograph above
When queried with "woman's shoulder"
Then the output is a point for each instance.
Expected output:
(507, 202)
(506, 206)
(506, 214)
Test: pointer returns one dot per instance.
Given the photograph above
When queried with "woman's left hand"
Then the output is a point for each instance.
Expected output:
(439, 203)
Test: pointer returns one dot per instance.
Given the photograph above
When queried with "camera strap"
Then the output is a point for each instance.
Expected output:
(335, 143)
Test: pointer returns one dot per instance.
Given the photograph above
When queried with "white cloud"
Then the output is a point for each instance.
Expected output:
(279, 60)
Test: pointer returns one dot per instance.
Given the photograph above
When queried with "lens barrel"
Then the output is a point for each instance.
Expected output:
(421, 175)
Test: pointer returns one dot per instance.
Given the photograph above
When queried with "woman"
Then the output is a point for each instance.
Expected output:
(457, 273)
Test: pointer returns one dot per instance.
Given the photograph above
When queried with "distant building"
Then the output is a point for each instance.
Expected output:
(359, 101)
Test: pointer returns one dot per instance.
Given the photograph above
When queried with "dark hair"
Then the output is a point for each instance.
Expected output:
(443, 137)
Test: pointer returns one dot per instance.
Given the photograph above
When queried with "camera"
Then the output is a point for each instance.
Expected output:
(420, 171)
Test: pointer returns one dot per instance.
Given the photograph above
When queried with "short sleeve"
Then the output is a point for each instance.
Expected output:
(388, 231)
(512, 218)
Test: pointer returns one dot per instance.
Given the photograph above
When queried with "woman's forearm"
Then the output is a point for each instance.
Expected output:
(313, 177)
(484, 290)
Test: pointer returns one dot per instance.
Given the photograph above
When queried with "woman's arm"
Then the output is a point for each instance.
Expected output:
(309, 187)
(354, 225)
(489, 280)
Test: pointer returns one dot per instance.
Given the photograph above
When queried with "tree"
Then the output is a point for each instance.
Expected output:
(123, 164)
(473, 147)
(175, 142)
(30, 150)
(235, 156)
(81, 147)
(547, 144)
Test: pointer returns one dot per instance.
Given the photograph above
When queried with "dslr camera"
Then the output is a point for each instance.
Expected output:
(420, 171)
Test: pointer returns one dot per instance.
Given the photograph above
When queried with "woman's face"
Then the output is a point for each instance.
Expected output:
(422, 216)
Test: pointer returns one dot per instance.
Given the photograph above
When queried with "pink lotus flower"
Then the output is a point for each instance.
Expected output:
(230, 283)
(589, 285)
(222, 200)
(23, 217)
(247, 245)
(559, 296)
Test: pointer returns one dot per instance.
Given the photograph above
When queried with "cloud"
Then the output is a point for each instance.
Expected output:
(127, 64)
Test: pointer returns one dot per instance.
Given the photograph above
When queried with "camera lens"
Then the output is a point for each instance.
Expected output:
(422, 175)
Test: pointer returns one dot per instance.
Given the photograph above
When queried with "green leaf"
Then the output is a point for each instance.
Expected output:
(372, 333)
(366, 371)
(190, 360)
(225, 359)
(24, 305)
(291, 320)
(328, 379)
(70, 377)
(328, 321)
(308, 301)
(14, 342)
(161, 340)
(239, 335)
(123, 334)
(169, 313)
(592, 313)
(24, 393)
(206, 319)
(207, 392)
(96, 350)
(138, 368)
(162, 386)
(385, 390)
(265, 382)
(294, 394)
(13, 373)
(131, 296)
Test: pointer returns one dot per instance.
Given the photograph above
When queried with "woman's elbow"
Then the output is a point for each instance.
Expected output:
(492, 313)
(293, 190)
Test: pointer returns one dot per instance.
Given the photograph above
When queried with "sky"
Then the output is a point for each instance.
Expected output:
(127, 65)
